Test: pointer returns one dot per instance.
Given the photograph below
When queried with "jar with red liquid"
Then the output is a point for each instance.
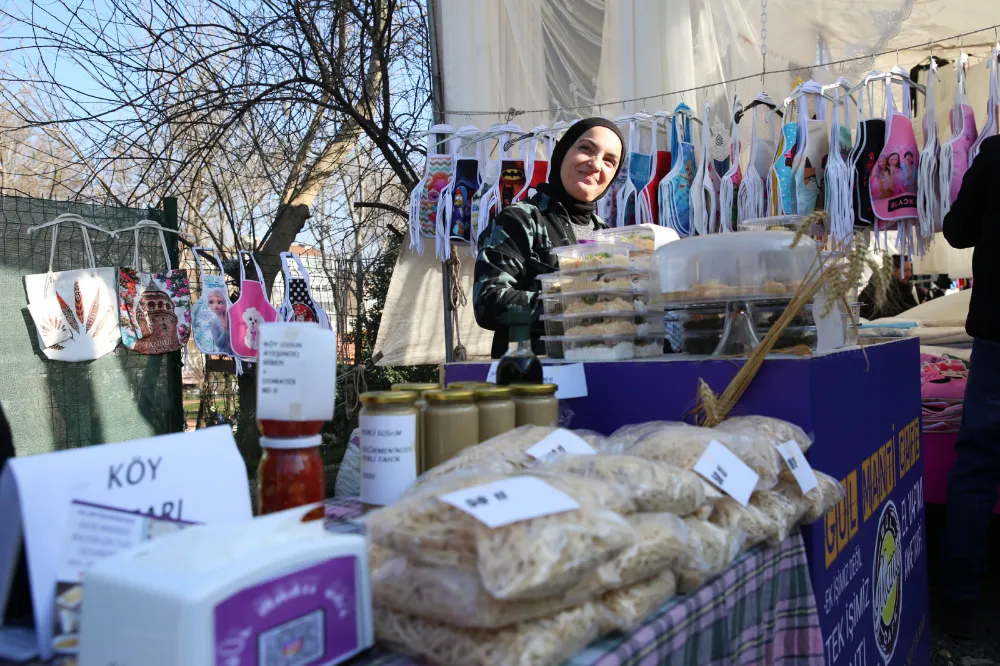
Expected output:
(290, 474)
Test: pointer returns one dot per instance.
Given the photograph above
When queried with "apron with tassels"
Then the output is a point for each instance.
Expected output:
(731, 179)
(298, 304)
(812, 150)
(782, 185)
(955, 152)
(837, 176)
(870, 142)
(455, 203)
(649, 199)
(928, 180)
(640, 166)
(425, 196)
(489, 174)
(703, 201)
(753, 198)
(675, 189)
(893, 181)
(536, 170)
(210, 314)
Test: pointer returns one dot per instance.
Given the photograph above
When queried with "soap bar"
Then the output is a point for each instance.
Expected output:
(244, 594)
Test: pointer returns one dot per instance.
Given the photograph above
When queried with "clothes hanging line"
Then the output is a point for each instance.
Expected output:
(511, 112)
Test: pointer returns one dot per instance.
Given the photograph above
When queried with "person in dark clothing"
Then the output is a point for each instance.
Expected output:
(516, 247)
(6, 441)
(973, 480)
(899, 297)
(19, 601)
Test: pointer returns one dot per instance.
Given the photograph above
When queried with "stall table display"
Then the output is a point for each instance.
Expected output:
(867, 557)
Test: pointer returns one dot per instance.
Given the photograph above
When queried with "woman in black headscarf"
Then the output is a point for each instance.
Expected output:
(515, 248)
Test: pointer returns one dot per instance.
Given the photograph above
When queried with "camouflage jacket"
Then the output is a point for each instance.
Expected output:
(514, 249)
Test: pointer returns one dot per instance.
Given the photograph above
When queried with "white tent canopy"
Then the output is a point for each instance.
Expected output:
(549, 60)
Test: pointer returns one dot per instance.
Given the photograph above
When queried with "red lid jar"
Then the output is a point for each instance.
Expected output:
(290, 473)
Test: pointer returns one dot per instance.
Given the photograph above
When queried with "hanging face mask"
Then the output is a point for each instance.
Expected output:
(249, 311)
(675, 189)
(731, 179)
(703, 197)
(649, 200)
(871, 141)
(155, 308)
(640, 167)
(813, 149)
(753, 188)
(210, 314)
(782, 183)
(425, 195)
(299, 304)
(893, 182)
(955, 151)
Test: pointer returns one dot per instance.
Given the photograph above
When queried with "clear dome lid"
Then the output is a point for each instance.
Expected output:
(725, 267)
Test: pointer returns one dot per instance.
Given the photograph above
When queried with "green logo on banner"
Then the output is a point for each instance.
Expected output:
(887, 584)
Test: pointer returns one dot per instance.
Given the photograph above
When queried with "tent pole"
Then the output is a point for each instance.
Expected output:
(437, 106)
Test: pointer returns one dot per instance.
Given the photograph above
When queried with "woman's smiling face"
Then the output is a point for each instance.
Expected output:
(591, 163)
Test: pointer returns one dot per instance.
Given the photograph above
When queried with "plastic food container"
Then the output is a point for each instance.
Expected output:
(643, 237)
(785, 223)
(723, 267)
(603, 348)
(613, 323)
(596, 280)
(704, 343)
(590, 256)
(596, 302)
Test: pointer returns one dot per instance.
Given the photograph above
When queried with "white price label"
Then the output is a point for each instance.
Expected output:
(561, 441)
(388, 457)
(571, 379)
(491, 376)
(510, 501)
(799, 466)
(724, 470)
(297, 372)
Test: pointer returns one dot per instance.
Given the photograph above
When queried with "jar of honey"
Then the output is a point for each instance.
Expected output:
(290, 474)
(391, 445)
(536, 404)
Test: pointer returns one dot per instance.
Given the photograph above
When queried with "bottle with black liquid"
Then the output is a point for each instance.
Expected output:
(519, 365)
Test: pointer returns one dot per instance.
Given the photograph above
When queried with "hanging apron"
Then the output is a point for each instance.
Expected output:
(489, 175)
(154, 308)
(811, 154)
(537, 170)
(893, 181)
(729, 209)
(837, 176)
(299, 304)
(990, 128)
(782, 185)
(753, 199)
(649, 198)
(870, 145)
(74, 311)
(510, 180)
(640, 167)
(928, 177)
(703, 203)
(210, 314)
(675, 189)
(955, 152)
(249, 311)
(425, 195)
(455, 201)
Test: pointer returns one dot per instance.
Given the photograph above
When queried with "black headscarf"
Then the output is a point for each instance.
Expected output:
(579, 211)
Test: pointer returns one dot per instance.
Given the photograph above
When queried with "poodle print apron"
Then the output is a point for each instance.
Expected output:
(249, 311)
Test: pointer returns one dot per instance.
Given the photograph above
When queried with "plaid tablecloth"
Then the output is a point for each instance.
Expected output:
(760, 611)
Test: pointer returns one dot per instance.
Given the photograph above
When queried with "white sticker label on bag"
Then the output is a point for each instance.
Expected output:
(570, 378)
(720, 467)
(561, 441)
(510, 501)
(799, 466)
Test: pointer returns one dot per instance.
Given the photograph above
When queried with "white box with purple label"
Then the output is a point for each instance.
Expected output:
(276, 591)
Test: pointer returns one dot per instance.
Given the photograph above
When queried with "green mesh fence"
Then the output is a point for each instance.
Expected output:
(55, 405)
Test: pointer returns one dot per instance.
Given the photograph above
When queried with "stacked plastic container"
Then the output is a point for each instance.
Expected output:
(597, 306)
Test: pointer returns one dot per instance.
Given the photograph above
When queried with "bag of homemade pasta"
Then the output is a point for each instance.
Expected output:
(546, 641)
(683, 447)
(626, 436)
(662, 543)
(625, 609)
(784, 507)
(710, 552)
(595, 439)
(775, 430)
(827, 494)
(653, 486)
(757, 525)
(529, 558)
(457, 597)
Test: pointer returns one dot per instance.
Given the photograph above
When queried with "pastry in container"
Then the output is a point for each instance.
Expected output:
(590, 256)
(595, 280)
(589, 303)
(643, 237)
(603, 348)
(723, 267)
(612, 323)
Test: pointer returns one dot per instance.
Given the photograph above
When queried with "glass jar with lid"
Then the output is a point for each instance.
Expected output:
(451, 423)
(390, 424)
(290, 473)
(468, 385)
(536, 404)
(497, 413)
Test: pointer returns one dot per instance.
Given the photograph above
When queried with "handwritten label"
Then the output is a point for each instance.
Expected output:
(510, 501)
(388, 457)
(798, 465)
(560, 441)
(720, 467)
(297, 372)
(571, 379)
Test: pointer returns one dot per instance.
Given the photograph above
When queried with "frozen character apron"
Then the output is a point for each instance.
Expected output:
(812, 153)
(893, 182)
(74, 311)
(675, 188)
(731, 179)
(871, 141)
(455, 200)
(782, 185)
(299, 304)
(249, 311)
(640, 167)
(154, 308)
(753, 199)
(210, 314)
(425, 195)
(955, 151)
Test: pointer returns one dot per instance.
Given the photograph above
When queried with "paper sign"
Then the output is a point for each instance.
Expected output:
(571, 379)
(799, 466)
(196, 476)
(560, 441)
(720, 467)
(297, 372)
(511, 500)
(830, 332)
